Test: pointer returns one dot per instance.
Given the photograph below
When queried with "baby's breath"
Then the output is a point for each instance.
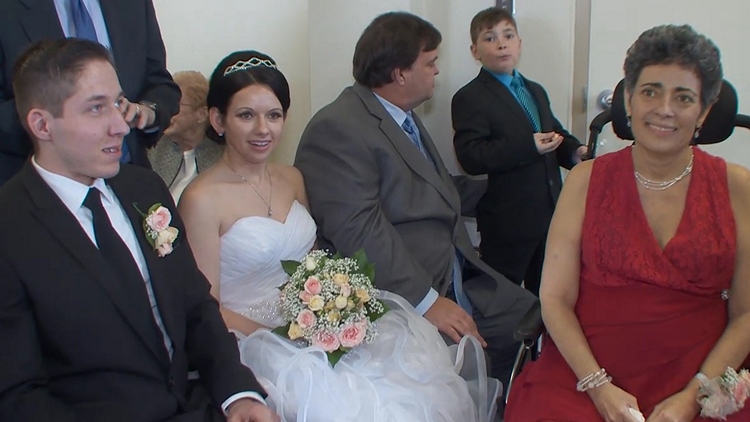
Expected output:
(341, 282)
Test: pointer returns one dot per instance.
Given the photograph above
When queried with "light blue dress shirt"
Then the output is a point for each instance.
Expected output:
(432, 295)
(506, 79)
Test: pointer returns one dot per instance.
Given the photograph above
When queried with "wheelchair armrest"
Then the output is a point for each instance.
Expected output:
(531, 326)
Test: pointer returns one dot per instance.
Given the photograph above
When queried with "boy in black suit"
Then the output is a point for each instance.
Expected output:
(504, 127)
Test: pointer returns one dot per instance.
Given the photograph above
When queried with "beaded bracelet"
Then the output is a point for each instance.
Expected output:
(593, 380)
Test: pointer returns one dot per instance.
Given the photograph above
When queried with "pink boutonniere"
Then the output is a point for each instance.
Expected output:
(159, 233)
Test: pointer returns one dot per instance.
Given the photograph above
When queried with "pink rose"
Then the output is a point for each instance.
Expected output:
(312, 286)
(164, 250)
(159, 219)
(741, 392)
(346, 290)
(306, 319)
(351, 335)
(326, 341)
(305, 297)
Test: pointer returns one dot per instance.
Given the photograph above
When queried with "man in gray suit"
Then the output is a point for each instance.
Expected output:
(375, 181)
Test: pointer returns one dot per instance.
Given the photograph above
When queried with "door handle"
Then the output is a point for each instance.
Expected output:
(604, 101)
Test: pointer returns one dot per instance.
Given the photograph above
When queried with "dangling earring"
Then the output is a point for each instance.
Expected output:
(697, 133)
(628, 123)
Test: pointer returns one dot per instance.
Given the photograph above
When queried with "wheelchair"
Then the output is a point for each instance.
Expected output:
(718, 126)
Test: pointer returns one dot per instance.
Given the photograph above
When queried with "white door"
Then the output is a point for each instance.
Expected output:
(615, 25)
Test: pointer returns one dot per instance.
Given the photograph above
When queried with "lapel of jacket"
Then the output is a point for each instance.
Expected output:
(52, 213)
(40, 20)
(403, 145)
(451, 194)
(206, 154)
(166, 159)
(506, 97)
(127, 191)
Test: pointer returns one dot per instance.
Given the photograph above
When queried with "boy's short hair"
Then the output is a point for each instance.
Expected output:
(488, 18)
(47, 73)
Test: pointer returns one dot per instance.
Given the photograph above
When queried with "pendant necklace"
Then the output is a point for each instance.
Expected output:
(270, 189)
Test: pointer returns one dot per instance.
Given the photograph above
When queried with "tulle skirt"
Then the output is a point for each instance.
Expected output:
(407, 374)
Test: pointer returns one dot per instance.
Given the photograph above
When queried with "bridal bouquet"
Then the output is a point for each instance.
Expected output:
(723, 395)
(330, 302)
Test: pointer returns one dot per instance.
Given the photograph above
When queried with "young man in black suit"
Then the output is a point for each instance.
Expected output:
(101, 317)
(504, 127)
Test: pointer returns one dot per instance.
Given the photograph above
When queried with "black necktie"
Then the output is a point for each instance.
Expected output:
(118, 256)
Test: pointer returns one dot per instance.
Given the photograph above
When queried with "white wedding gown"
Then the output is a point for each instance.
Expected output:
(407, 374)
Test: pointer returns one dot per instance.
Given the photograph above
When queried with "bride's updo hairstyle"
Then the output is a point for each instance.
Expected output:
(238, 71)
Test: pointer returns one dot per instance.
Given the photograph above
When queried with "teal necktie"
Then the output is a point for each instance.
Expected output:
(526, 101)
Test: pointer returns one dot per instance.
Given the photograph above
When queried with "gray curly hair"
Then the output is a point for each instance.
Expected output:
(681, 45)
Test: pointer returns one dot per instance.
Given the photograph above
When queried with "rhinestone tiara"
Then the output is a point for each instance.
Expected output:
(248, 64)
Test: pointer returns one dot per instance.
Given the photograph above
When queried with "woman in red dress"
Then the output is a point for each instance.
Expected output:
(646, 279)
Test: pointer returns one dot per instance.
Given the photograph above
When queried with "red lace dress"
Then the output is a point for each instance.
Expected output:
(651, 316)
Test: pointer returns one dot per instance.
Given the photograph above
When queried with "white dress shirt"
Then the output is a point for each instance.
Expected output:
(72, 194)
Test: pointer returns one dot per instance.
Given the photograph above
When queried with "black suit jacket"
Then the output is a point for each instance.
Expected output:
(494, 136)
(139, 56)
(75, 343)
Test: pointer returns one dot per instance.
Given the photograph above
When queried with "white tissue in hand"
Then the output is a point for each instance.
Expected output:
(637, 415)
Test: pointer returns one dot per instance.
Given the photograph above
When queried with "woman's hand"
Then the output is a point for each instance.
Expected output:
(614, 403)
(681, 407)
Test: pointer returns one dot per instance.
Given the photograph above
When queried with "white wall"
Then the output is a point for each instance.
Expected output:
(313, 43)
(547, 29)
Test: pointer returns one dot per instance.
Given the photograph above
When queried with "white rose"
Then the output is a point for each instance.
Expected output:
(310, 264)
(166, 236)
(316, 303)
(340, 279)
(295, 331)
(341, 302)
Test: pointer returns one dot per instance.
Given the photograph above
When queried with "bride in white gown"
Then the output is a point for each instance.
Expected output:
(244, 215)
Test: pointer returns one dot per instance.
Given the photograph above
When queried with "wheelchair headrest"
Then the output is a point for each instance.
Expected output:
(718, 126)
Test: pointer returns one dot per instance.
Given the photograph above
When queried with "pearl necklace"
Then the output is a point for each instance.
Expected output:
(270, 189)
(654, 185)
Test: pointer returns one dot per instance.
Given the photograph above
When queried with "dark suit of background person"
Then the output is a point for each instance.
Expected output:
(494, 136)
(139, 55)
(77, 344)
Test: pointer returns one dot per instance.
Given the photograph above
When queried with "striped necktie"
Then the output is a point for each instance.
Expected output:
(82, 21)
(410, 127)
(526, 101)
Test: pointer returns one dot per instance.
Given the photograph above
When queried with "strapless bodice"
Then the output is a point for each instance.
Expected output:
(251, 254)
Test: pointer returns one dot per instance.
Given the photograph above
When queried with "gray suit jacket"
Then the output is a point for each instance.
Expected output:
(370, 188)
(166, 157)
